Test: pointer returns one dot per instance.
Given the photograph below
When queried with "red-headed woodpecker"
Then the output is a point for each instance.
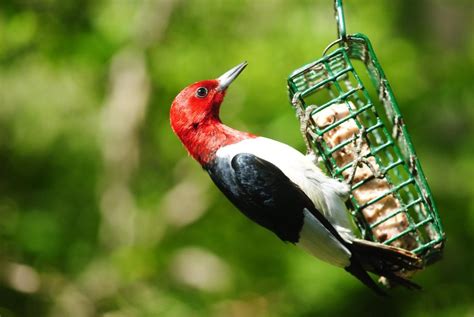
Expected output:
(278, 187)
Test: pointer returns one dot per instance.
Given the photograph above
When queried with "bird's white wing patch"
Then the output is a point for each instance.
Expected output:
(318, 241)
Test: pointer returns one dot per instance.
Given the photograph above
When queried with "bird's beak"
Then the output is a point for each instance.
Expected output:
(227, 78)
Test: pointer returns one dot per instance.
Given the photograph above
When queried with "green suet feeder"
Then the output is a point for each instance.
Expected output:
(358, 133)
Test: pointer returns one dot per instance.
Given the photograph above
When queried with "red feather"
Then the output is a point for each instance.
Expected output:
(196, 122)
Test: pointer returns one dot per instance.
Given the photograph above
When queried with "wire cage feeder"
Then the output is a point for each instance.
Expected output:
(358, 133)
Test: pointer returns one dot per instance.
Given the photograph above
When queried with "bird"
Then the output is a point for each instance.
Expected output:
(280, 188)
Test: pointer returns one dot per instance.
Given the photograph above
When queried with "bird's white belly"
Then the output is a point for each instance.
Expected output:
(319, 242)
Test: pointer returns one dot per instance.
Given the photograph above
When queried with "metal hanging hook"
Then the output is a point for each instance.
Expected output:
(341, 23)
(341, 26)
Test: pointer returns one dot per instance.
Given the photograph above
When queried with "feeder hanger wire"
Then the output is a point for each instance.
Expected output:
(341, 23)
(341, 27)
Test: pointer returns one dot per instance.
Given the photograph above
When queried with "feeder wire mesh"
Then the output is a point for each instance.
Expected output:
(363, 140)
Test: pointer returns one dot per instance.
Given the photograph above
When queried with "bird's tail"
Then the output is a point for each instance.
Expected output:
(356, 269)
(383, 260)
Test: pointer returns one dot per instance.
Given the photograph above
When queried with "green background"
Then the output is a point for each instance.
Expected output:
(103, 214)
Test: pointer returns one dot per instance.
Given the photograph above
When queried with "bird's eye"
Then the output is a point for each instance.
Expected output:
(201, 92)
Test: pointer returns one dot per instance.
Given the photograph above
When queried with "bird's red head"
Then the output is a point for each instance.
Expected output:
(194, 116)
(195, 105)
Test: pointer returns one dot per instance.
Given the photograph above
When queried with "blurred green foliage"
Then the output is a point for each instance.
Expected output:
(103, 214)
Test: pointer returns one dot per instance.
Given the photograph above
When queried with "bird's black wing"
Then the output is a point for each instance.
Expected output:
(267, 196)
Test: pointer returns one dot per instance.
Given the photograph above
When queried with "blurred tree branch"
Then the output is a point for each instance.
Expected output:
(124, 111)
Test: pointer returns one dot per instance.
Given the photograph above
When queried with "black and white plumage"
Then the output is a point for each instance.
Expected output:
(282, 190)
(279, 188)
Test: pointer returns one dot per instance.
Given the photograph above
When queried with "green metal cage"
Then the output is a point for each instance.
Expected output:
(353, 122)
